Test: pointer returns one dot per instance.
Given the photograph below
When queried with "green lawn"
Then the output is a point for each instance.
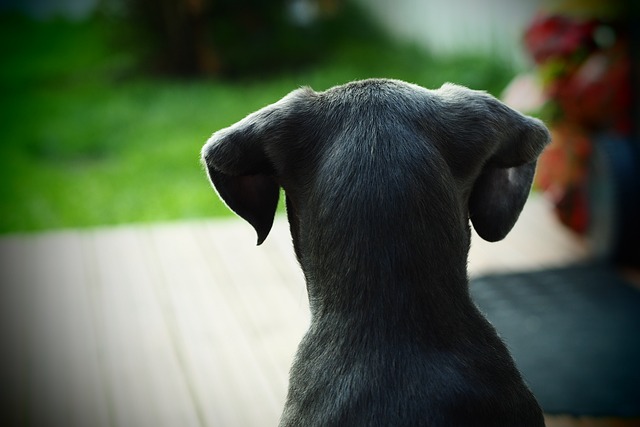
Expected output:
(84, 141)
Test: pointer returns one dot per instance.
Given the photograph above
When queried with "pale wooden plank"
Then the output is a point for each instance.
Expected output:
(61, 375)
(271, 310)
(260, 301)
(281, 254)
(198, 321)
(224, 360)
(15, 324)
(537, 241)
(145, 381)
(545, 237)
(278, 253)
(69, 324)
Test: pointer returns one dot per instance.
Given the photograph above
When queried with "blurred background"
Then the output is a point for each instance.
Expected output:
(105, 103)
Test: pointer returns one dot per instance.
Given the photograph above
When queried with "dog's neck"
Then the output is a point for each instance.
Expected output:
(387, 271)
(381, 229)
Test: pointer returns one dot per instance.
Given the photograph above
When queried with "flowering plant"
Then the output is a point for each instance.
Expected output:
(584, 67)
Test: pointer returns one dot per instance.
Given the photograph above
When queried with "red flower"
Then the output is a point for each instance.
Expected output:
(586, 76)
(557, 36)
(562, 172)
(598, 94)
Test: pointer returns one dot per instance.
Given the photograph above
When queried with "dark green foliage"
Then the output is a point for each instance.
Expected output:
(85, 141)
(235, 38)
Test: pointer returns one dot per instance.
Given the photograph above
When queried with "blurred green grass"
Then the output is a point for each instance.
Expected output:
(84, 141)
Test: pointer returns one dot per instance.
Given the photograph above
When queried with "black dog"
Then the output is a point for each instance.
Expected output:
(381, 178)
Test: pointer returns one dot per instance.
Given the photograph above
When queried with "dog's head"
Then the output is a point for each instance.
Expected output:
(445, 155)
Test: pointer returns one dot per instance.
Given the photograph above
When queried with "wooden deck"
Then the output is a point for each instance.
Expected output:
(179, 324)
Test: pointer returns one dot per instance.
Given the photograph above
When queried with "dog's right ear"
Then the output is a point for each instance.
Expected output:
(501, 190)
(239, 166)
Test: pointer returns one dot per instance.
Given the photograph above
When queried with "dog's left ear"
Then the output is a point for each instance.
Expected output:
(501, 190)
(239, 166)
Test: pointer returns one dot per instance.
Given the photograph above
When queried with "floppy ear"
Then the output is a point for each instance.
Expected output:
(502, 188)
(238, 165)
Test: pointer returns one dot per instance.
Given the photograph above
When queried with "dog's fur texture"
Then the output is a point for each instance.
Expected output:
(381, 178)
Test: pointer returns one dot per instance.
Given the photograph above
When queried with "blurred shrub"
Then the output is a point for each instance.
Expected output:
(238, 37)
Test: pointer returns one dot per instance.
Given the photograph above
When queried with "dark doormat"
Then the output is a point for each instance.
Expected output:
(574, 333)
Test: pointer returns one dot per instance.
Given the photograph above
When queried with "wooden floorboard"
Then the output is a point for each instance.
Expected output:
(140, 358)
(51, 363)
(537, 240)
(179, 324)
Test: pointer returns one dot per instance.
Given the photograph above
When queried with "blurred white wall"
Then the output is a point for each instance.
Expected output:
(449, 27)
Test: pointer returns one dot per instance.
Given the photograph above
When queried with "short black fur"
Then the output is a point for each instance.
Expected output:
(381, 179)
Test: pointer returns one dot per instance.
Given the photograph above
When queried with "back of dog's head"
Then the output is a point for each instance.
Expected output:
(378, 158)
(381, 178)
